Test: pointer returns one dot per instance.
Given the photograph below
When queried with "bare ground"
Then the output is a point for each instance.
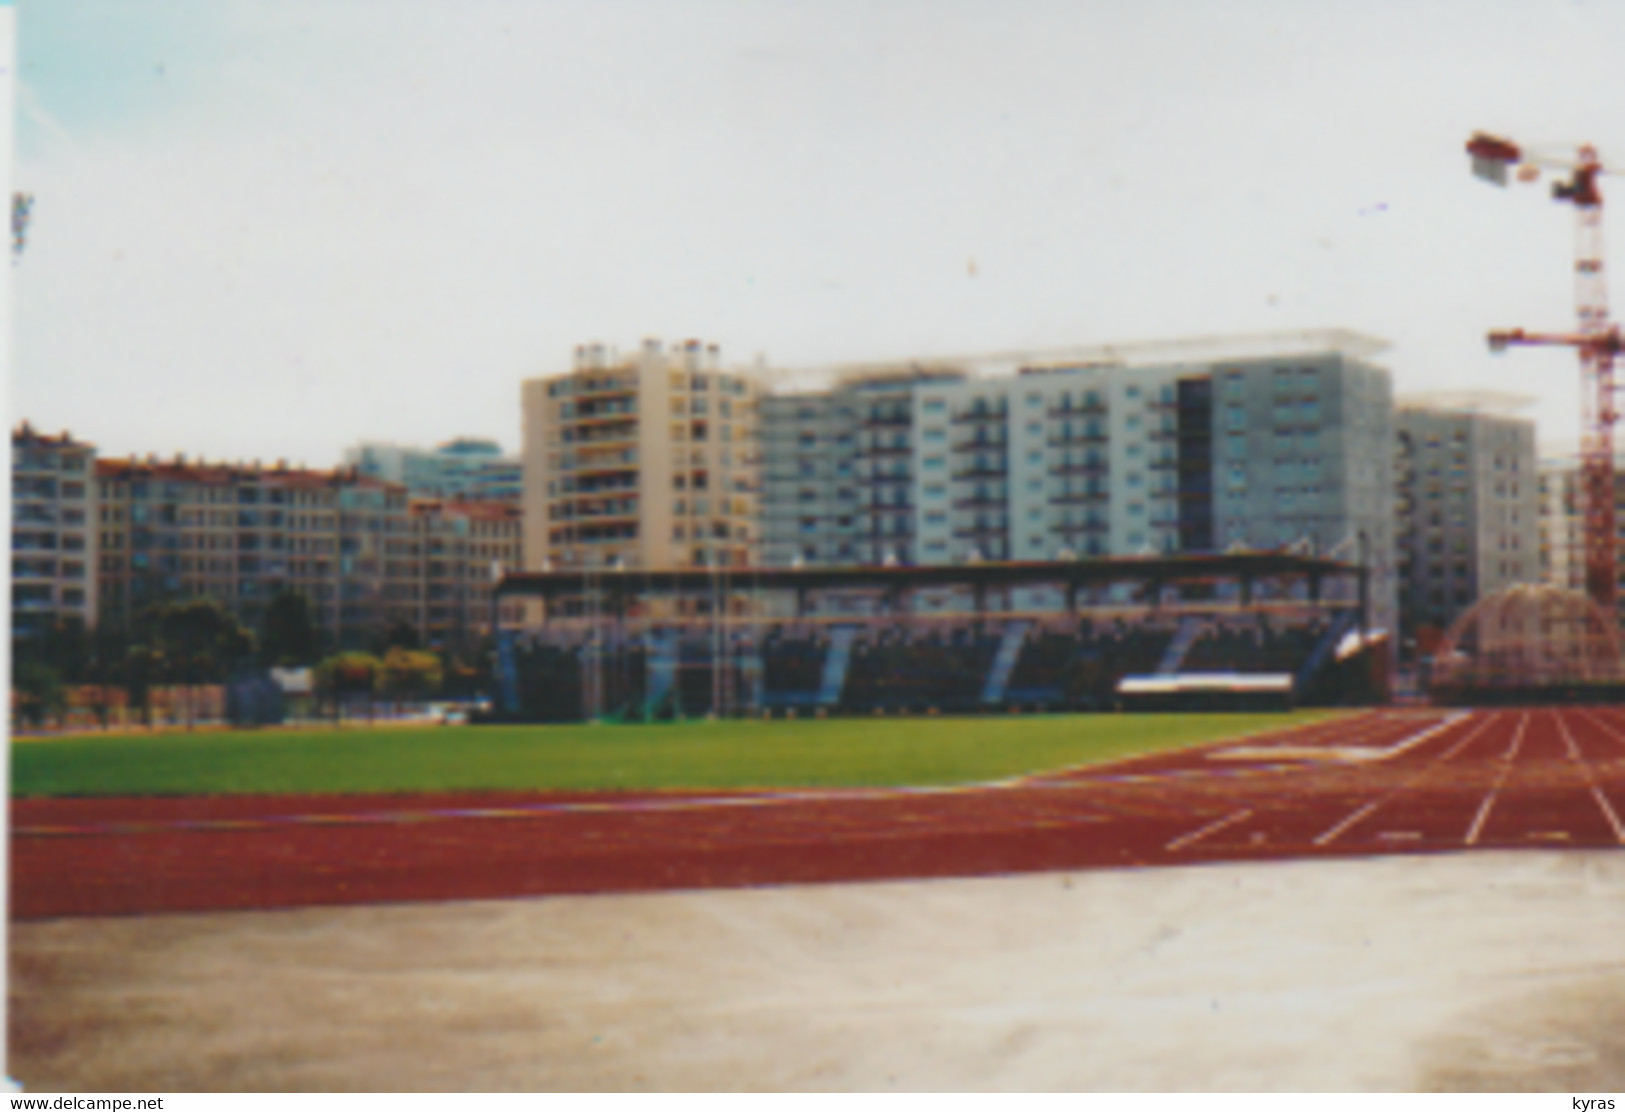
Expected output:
(1474, 971)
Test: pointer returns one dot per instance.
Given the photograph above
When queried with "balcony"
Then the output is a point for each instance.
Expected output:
(981, 532)
(887, 421)
(1076, 437)
(1078, 498)
(980, 471)
(616, 430)
(604, 388)
(1089, 467)
(1084, 409)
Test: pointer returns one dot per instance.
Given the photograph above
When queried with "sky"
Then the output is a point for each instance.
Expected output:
(270, 230)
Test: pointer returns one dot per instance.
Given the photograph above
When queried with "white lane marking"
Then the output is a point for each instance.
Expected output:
(1591, 777)
(1347, 753)
(1568, 738)
(1326, 838)
(1211, 828)
(1613, 734)
(1331, 835)
(1607, 810)
(1508, 757)
(1043, 775)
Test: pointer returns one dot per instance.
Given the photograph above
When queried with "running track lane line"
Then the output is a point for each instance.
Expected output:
(1211, 828)
(1068, 773)
(1335, 832)
(1591, 777)
(1508, 757)
(1403, 745)
(1602, 724)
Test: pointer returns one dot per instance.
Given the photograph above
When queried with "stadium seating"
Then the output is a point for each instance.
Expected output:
(894, 669)
(1252, 646)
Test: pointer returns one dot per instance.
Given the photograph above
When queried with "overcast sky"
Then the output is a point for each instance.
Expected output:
(272, 229)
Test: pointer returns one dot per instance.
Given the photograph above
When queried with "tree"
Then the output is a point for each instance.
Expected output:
(38, 688)
(143, 666)
(400, 635)
(348, 673)
(288, 637)
(44, 662)
(196, 641)
(409, 674)
(108, 670)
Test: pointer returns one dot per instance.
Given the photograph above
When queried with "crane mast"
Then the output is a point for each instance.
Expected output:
(1597, 342)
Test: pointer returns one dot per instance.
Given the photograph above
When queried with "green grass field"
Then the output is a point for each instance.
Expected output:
(847, 752)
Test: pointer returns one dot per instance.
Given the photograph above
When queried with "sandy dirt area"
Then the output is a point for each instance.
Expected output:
(1481, 971)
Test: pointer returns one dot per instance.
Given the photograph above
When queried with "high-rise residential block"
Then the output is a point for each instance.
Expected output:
(644, 461)
(53, 536)
(1189, 446)
(1562, 523)
(1467, 502)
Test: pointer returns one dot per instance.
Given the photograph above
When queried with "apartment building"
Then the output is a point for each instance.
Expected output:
(643, 461)
(53, 538)
(1187, 446)
(1561, 540)
(461, 549)
(358, 548)
(465, 469)
(1467, 498)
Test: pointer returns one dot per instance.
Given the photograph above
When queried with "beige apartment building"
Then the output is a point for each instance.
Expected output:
(643, 461)
(359, 549)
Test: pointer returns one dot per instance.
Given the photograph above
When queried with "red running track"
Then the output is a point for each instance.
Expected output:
(1385, 781)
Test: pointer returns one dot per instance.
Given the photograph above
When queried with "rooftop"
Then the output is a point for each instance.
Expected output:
(1194, 350)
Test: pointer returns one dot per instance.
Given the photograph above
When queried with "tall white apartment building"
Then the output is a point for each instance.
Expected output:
(1189, 446)
(1467, 499)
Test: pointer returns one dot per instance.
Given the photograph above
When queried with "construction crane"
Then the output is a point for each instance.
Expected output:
(1597, 340)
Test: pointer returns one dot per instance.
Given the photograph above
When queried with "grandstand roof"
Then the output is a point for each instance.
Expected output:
(1096, 572)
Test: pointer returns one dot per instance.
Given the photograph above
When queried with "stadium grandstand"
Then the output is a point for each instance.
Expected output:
(1238, 630)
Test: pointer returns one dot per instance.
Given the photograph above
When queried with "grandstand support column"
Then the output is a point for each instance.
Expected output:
(1246, 590)
(1314, 586)
(801, 602)
(1364, 573)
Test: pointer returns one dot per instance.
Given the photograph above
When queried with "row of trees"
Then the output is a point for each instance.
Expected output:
(195, 642)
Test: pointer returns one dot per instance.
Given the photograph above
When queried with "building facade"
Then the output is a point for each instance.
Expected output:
(365, 555)
(647, 461)
(1562, 523)
(53, 535)
(1183, 447)
(1467, 493)
(465, 469)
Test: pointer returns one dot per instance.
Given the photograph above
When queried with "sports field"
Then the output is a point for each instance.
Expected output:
(837, 752)
(219, 821)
